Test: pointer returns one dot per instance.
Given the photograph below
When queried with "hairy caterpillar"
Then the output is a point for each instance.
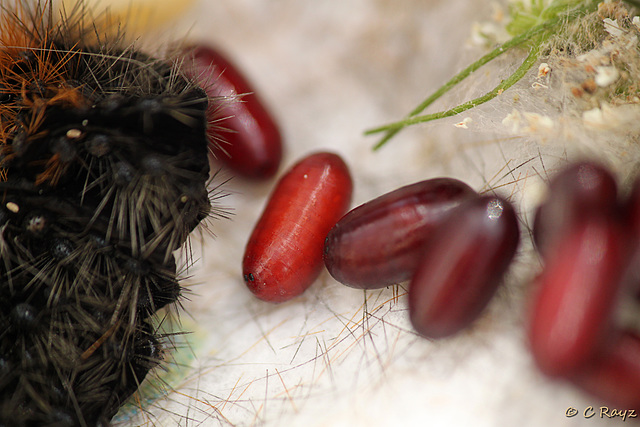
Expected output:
(371, 372)
(104, 175)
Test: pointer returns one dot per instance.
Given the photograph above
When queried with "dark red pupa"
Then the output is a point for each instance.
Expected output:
(631, 212)
(572, 315)
(284, 254)
(379, 243)
(578, 188)
(632, 209)
(615, 377)
(462, 264)
(243, 133)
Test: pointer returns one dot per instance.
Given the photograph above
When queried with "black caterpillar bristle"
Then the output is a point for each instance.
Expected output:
(103, 152)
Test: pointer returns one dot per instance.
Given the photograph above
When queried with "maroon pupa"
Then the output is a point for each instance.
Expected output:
(462, 265)
(615, 377)
(571, 320)
(580, 187)
(243, 133)
(379, 243)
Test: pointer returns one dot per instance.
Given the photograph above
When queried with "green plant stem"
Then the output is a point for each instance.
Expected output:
(537, 35)
(504, 85)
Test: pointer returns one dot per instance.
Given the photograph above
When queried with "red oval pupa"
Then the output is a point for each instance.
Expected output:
(379, 243)
(284, 254)
(243, 134)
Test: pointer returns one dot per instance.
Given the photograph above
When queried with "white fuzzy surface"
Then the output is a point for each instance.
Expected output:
(337, 356)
